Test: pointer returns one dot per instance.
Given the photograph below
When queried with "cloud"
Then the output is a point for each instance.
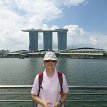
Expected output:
(73, 2)
(21, 14)
(41, 10)
(69, 3)
(78, 37)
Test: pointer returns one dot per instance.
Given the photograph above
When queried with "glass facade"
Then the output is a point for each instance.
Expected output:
(62, 40)
(47, 39)
(33, 40)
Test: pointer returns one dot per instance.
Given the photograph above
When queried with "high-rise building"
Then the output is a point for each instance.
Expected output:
(47, 39)
(33, 40)
(62, 40)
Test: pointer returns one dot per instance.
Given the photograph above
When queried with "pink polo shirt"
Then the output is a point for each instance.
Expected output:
(51, 88)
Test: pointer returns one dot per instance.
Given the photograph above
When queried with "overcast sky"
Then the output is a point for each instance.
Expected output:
(86, 21)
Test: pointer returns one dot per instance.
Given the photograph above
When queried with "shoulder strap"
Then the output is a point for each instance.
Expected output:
(40, 79)
(60, 80)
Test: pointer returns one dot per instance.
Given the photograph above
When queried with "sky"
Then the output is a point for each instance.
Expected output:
(86, 21)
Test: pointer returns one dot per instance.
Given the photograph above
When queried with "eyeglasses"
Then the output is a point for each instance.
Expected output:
(50, 60)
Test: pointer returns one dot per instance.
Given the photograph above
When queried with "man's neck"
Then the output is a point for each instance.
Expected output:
(50, 73)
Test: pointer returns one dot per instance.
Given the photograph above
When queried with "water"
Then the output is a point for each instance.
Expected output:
(14, 71)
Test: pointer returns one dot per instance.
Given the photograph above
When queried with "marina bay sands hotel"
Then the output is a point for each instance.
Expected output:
(47, 39)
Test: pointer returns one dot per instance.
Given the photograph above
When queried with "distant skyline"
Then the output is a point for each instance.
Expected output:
(86, 21)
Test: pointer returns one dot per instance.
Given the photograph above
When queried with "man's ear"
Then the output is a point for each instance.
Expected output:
(43, 64)
(57, 63)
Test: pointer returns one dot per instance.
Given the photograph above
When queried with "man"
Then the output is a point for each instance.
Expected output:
(49, 93)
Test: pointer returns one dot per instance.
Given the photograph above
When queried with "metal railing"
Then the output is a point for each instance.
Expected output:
(89, 91)
(74, 91)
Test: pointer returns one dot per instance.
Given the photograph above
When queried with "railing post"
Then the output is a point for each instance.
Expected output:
(34, 104)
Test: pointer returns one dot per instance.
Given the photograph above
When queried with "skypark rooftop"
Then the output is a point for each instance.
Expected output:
(41, 30)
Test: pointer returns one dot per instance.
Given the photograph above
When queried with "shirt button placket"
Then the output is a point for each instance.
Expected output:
(50, 96)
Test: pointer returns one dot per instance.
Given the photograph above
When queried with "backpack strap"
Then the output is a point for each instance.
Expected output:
(40, 79)
(60, 81)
